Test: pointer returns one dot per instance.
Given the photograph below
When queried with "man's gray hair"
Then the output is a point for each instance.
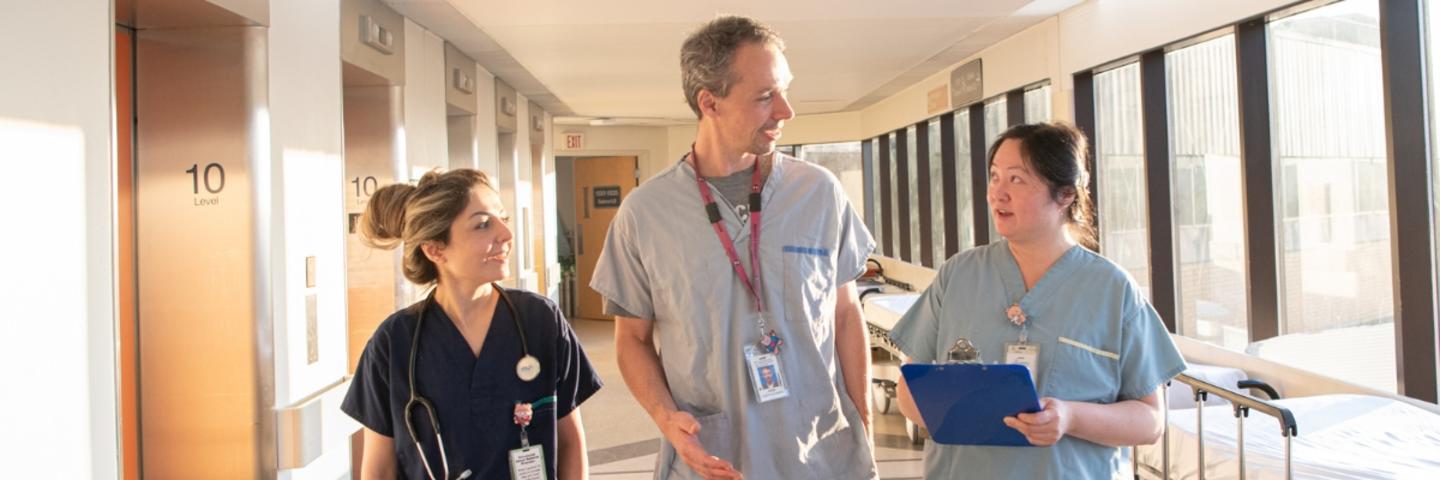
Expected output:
(706, 55)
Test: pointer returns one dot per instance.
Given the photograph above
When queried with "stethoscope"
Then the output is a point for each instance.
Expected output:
(527, 369)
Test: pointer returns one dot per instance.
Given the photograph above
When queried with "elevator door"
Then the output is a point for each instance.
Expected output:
(125, 250)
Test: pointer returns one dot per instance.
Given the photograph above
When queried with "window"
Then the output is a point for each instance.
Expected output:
(964, 188)
(1037, 104)
(1335, 265)
(894, 200)
(1120, 176)
(843, 160)
(937, 196)
(1201, 84)
(1431, 16)
(877, 227)
(996, 122)
(912, 169)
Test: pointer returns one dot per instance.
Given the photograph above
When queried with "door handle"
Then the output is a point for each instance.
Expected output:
(579, 241)
(585, 200)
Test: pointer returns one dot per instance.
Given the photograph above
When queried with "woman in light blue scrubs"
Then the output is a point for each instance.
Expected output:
(1097, 349)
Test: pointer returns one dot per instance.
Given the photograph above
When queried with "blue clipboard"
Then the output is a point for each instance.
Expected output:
(966, 404)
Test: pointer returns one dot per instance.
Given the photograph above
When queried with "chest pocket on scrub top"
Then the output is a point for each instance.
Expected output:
(1083, 370)
(809, 283)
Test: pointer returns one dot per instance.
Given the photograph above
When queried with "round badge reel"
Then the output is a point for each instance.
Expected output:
(528, 368)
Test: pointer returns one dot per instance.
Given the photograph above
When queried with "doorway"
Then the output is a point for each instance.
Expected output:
(599, 185)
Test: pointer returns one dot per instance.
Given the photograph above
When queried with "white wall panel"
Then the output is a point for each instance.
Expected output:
(306, 112)
(487, 145)
(55, 125)
(426, 147)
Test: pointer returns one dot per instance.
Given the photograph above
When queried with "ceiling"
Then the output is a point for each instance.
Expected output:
(620, 59)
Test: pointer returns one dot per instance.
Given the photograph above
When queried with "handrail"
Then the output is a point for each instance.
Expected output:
(1241, 404)
(1288, 428)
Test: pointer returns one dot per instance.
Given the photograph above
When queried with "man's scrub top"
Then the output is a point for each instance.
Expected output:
(1100, 341)
(473, 397)
(662, 262)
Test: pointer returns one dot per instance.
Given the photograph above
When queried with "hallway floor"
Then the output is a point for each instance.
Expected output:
(623, 442)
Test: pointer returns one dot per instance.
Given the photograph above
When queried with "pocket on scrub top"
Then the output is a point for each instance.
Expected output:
(809, 287)
(1084, 372)
(719, 439)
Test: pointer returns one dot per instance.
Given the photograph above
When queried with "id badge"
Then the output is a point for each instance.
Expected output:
(528, 463)
(1027, 354)
(765, 375)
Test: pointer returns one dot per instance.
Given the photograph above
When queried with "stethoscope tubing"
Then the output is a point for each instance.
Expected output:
(417, 400)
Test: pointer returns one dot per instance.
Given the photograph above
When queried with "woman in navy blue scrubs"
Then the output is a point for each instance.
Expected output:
(500, 370)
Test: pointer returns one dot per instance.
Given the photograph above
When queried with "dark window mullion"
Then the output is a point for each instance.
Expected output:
(948, 186)
(1402, 58)
(1085, 121)
(867, 175)
(887, 220)
(902, 187)
(1157, 184)
(1015, 107)
(1258, 179)
(922, 184)
(979, 174)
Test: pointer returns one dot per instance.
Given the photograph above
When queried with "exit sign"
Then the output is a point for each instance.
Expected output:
(574, 141)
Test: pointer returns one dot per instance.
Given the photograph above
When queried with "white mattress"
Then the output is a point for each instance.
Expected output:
(884, 310)
(1340, 437)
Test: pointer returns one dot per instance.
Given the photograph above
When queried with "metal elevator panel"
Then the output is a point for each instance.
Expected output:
(373, 126)
(206, 361)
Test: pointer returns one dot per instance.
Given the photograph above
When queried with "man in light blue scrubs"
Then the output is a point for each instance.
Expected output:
(680, 271)
(1100, 349)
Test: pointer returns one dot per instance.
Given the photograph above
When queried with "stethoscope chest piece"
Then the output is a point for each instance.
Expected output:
(528, 368)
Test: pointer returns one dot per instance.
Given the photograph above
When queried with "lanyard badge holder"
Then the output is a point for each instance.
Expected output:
(1022, 352)
(762, 359)
(528, 461)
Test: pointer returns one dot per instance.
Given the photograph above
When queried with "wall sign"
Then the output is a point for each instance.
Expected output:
(967, 84)
(937, 100)
(212, 178)
(574, 141)
(607, 196)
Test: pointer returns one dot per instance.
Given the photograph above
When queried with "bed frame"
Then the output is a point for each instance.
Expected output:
(1241, 404)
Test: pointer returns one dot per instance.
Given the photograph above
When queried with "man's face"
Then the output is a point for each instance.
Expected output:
(750, 117)
(769, 376)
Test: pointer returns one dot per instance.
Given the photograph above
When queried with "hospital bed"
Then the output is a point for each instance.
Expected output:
(884, 305)
(1323, 436)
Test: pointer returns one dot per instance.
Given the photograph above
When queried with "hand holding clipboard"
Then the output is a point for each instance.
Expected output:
(967, 404)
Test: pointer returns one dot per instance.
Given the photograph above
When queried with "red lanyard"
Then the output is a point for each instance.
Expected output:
(718, 223)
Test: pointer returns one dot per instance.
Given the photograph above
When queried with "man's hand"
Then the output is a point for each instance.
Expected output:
(680, 429)
(1046, 427)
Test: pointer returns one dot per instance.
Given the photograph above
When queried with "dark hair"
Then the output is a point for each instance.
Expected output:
(1059, 154)
(705, 57)
(410, 215)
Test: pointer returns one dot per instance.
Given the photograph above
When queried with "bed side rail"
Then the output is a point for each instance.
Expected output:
(1241, 404)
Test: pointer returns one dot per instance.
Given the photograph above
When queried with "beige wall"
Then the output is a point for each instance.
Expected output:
(1025, 58)
(652, 145)
(823, 128)
(1085, 36)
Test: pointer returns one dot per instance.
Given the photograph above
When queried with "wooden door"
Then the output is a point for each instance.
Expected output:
(600, 185)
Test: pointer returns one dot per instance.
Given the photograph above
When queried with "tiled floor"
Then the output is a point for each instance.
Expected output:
(623, 442)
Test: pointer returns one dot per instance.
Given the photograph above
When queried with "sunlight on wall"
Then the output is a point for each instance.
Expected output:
(51, 301)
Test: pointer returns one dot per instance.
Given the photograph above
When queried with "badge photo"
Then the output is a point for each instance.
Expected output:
(767, 377)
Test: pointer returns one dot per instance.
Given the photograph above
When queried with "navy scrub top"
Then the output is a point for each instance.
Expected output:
(473, 397)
